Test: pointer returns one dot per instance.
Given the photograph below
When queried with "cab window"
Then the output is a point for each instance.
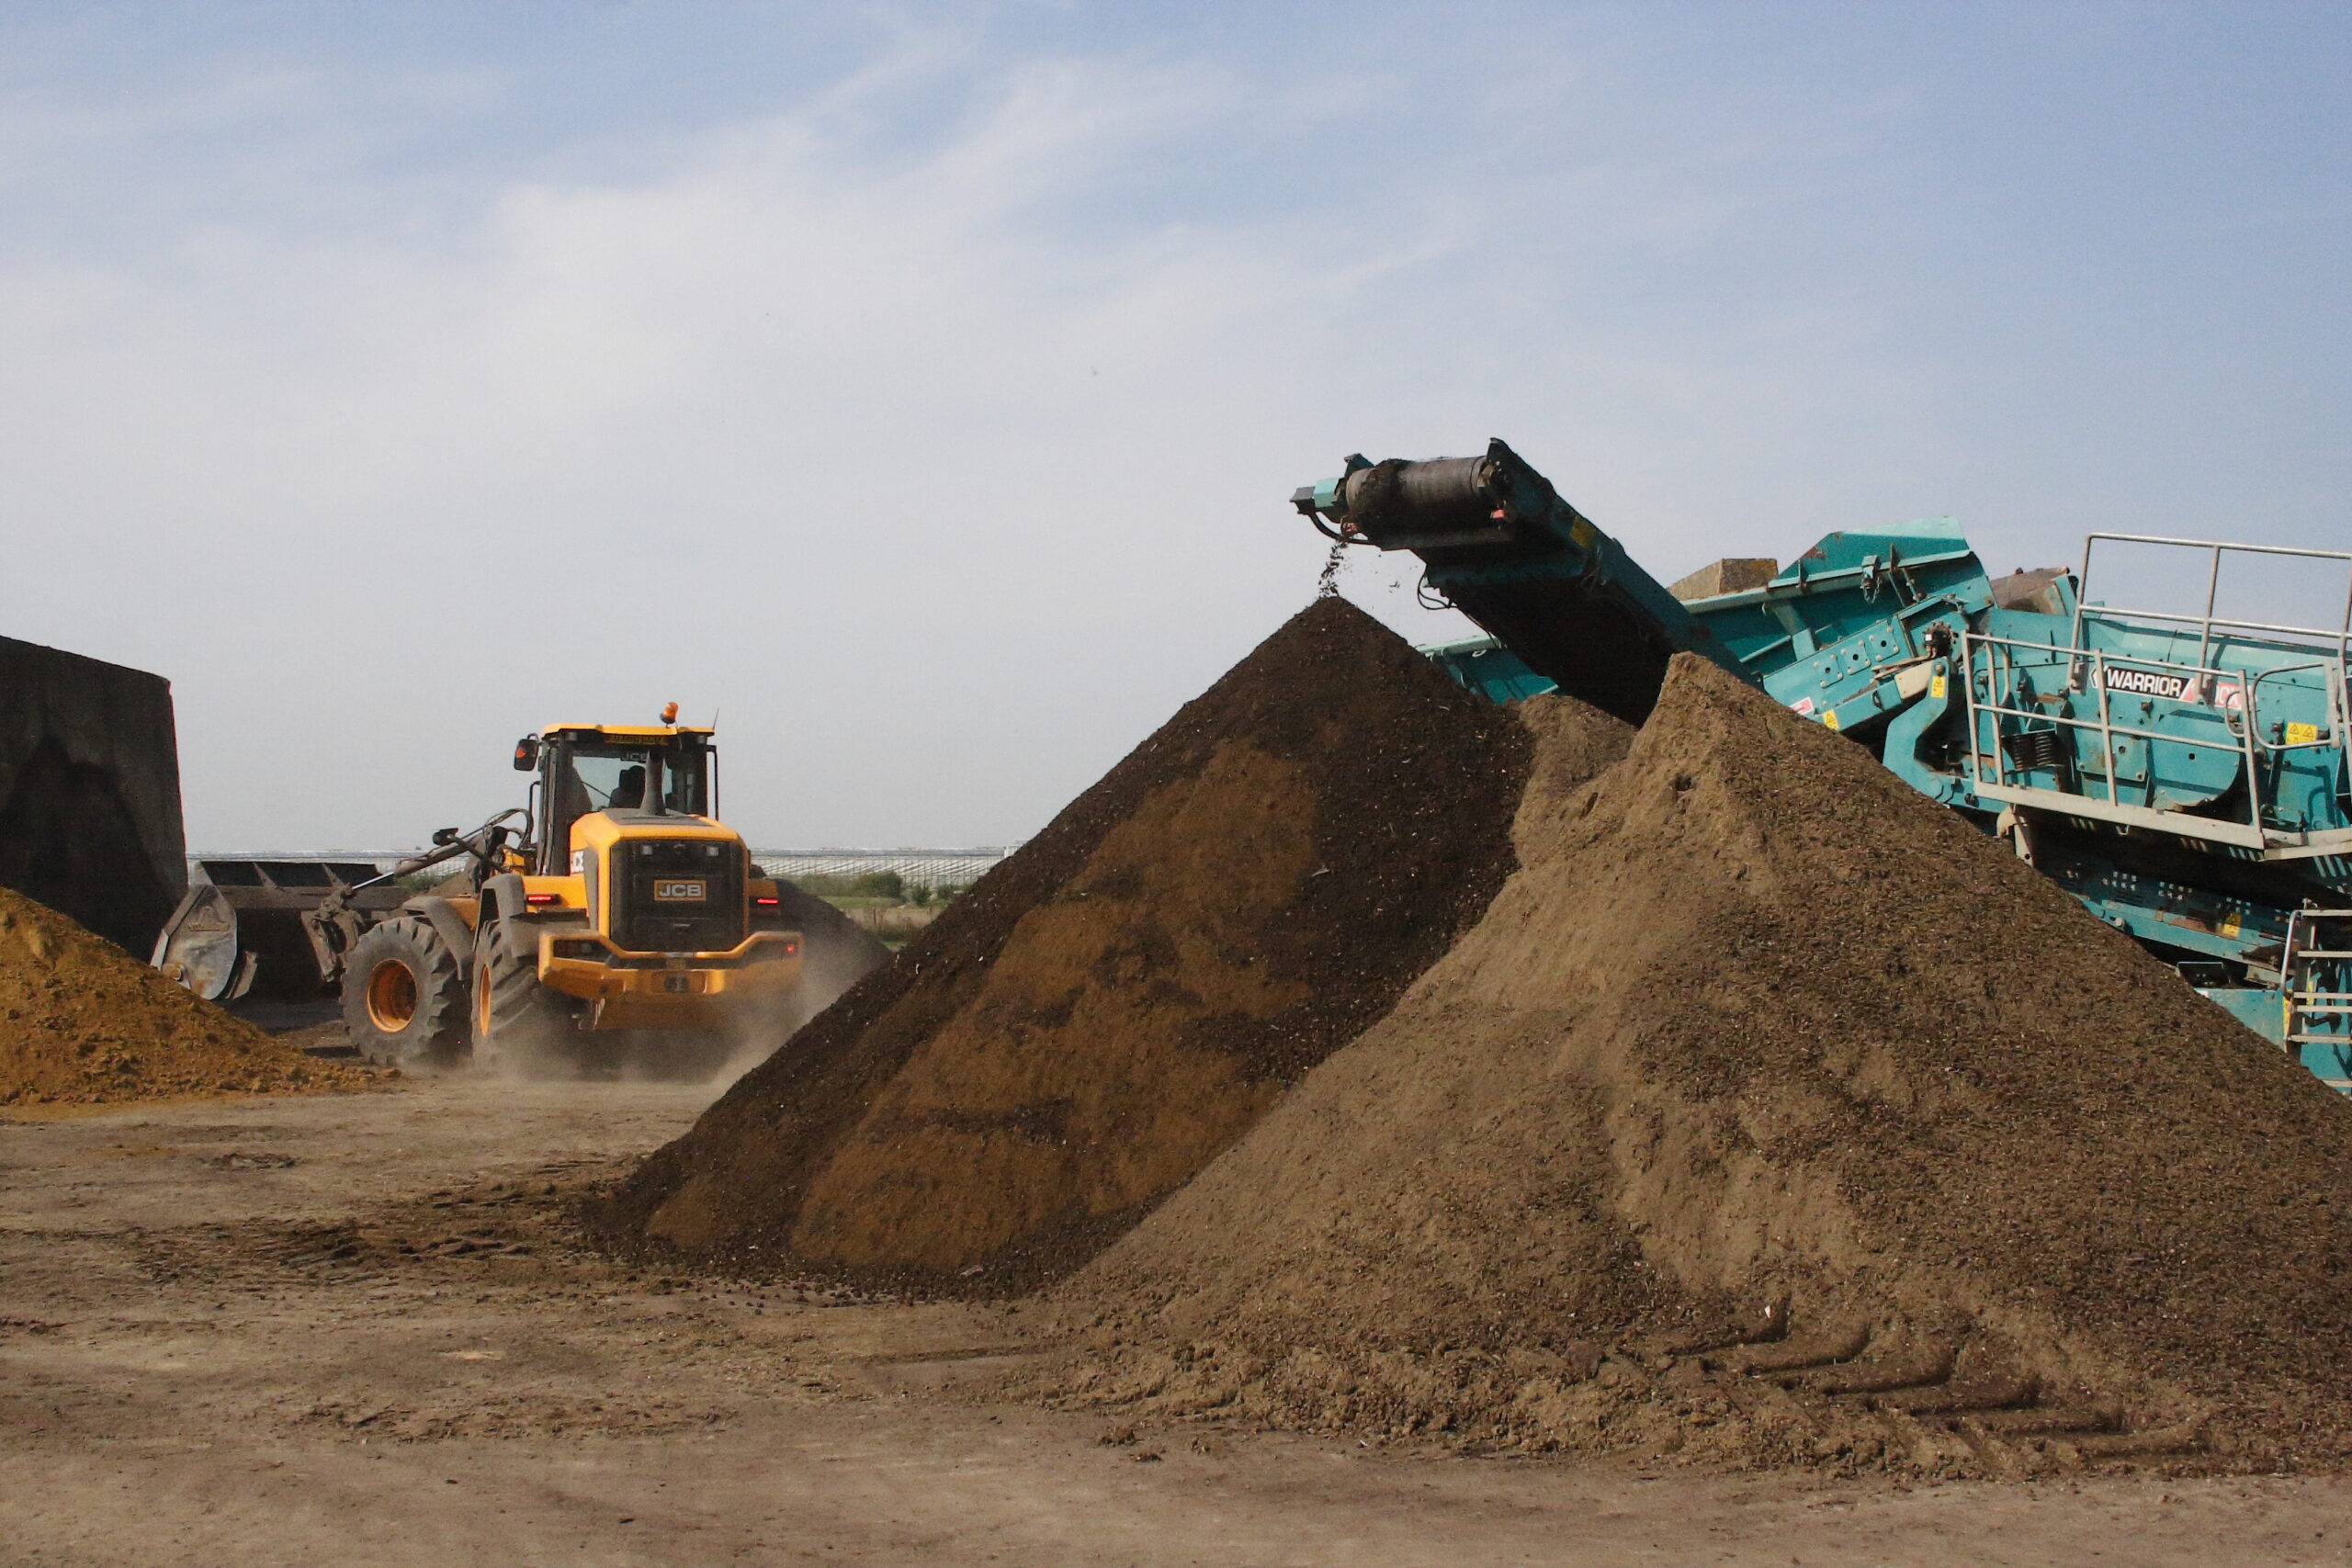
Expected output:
(612, 778)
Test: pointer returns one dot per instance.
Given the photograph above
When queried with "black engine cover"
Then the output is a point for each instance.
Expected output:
(677, 896)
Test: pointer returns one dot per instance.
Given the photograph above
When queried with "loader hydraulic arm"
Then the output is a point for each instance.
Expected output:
(483, 843)
(332, 926)
(1501, 546)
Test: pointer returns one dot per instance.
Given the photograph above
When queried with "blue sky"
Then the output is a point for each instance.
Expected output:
(920, 387)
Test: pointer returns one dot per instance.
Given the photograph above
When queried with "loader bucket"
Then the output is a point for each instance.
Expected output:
(240, 931)
(197, 946)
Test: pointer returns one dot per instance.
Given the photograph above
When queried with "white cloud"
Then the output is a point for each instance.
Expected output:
(935, 425)
(853, 447)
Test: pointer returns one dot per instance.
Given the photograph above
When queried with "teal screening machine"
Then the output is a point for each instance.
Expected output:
(2182, 773)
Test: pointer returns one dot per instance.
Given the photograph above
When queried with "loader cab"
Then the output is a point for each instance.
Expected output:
(591, 768)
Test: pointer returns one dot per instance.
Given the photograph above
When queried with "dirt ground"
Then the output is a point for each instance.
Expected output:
(352, 1329)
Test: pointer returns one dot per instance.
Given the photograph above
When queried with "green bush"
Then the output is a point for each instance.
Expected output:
(865, 884)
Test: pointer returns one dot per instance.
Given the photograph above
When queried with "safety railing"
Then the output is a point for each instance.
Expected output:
(1991, 663)
(2336, 640)
(2316, 945)
(2339, 707)
(2210, 620)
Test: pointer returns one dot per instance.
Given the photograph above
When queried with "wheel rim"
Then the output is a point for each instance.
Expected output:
(481, 999)
(392, 997)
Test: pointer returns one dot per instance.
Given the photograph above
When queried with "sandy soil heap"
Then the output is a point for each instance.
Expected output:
(82, 1023)
(1109, 1008)
(1770, 1114)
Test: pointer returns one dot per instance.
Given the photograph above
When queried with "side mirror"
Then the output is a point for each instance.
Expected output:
(526, 754)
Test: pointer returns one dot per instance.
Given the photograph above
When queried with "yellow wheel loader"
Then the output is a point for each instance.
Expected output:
(613, 915)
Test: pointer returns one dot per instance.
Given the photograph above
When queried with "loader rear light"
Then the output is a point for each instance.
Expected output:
(573, 947)
(536, 899)
(767, 900)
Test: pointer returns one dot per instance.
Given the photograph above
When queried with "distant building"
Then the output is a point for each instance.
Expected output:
(928, 868)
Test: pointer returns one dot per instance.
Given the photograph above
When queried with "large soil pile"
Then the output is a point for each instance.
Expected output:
(82, 1022)
(1770, 1114)
(1109, 1009)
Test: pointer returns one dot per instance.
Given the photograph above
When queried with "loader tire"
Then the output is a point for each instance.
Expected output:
(404, 996)
(518, 1023)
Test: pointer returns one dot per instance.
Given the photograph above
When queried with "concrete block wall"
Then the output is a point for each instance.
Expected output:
(90, 791)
